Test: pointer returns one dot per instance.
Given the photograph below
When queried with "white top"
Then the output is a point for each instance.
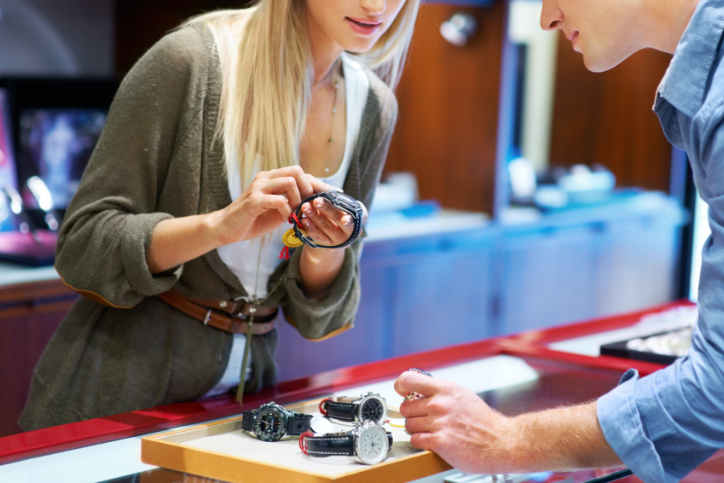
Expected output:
(243, 257)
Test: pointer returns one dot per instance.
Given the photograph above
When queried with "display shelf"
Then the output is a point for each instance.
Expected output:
(591, 327)
(561, 378)
(94, 431)
(75, 435)
(11, 274)
(539, 384)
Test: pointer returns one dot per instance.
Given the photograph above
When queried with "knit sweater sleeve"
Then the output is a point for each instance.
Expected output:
(106, 233)
(319, 320)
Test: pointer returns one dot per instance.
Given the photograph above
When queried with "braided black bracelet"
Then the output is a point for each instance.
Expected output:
(340, 201)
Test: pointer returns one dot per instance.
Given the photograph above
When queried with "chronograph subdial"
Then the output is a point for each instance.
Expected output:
(372, 445)
(270, 424)
(373, 409)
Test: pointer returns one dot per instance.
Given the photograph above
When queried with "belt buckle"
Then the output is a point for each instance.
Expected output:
(241, 303)
(240, 312)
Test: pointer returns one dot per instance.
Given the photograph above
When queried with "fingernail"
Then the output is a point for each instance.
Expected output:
(319, 202)
(346, 220)
(306, 209)
(305, 222)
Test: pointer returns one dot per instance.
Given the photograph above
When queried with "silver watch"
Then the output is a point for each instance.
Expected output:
(369, 442)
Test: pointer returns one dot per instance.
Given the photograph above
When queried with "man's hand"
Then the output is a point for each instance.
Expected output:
(455, 423)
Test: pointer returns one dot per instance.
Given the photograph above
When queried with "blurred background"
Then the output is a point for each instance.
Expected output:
(521, 191)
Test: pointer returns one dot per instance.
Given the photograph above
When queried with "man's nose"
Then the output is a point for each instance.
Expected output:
(551, 16)
(374, 7)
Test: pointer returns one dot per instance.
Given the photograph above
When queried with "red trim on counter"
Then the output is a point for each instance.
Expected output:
(512, 347)
(530, 344)
(582, 329)
(102, 430)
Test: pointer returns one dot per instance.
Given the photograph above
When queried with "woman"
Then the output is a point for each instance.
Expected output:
(214, 137)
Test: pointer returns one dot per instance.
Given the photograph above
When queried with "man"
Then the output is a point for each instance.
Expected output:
(665, 425)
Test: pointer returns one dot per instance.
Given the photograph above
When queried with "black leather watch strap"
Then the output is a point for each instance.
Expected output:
(298, 423)
(342, 444)
(340, 410)
(247, 420)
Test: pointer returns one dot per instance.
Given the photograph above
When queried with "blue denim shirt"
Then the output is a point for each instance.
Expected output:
(665, 425)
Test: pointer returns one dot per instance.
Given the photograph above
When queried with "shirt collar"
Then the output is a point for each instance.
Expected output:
(685, 82)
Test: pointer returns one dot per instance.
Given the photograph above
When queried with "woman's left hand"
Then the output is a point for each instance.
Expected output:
(326, 224)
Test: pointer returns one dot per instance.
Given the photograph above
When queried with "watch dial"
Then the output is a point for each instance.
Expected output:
(270, 424)
(372, 410)
(372, 445)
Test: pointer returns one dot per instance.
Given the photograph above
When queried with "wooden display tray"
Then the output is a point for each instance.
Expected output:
(199, 450)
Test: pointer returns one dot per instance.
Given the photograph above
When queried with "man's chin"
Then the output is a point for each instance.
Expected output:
(598, 64)
(602, 61)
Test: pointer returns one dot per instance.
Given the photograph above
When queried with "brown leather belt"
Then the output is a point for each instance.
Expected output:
(223, 314)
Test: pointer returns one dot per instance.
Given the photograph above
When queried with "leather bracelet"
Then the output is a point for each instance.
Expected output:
(340, 410)
(369, 442)
(342, 445)
(340, 201)
(369, 407)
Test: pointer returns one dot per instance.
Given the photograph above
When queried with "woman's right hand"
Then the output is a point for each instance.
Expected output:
(263, 206)
(267, 203)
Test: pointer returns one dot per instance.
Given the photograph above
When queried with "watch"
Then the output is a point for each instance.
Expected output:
(369, 442)
(370, 407)
(340, 201)
(271, 422)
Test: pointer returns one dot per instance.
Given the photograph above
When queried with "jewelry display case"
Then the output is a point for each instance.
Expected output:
(517, 374)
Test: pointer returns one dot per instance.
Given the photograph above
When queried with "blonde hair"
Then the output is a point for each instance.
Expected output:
(267, 72)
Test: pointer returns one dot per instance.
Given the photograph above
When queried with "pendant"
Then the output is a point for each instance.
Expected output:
(291, 240)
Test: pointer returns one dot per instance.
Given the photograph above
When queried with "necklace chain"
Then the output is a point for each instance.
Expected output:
(328, 74)
(331, 128)
(245, 358)
(250, 325)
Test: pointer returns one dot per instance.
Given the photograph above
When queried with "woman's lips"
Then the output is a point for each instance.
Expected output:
(362, 27)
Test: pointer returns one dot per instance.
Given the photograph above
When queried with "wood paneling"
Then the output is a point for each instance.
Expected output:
(448, 96)
(607, 118)
(141, 23)
(29, 315)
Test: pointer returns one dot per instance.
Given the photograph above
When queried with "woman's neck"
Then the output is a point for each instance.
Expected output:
(325, 51)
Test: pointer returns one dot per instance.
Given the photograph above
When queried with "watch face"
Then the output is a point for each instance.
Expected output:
(270, 423)
(374, 409)
(371, 444)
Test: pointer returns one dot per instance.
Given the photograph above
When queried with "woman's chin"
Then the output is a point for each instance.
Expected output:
(357, 45)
